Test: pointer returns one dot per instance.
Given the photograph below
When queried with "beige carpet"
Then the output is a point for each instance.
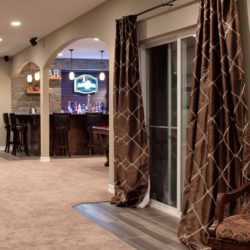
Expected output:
(36, 202)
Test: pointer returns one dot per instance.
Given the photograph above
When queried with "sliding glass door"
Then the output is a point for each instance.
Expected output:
(163, 122)
(169, 80)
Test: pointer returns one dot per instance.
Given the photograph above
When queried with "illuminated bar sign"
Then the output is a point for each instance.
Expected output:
(86, 84)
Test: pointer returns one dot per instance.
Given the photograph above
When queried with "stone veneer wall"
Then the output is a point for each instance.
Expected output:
(80, 64)
(21, 102)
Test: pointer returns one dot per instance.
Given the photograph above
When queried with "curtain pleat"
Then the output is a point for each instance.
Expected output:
(130, 141)
(218, 138)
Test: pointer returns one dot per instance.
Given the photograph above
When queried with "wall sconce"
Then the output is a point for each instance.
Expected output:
(71, 73)
(102, 74)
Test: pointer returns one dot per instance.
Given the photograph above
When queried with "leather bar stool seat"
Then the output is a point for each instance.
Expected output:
(60, 130)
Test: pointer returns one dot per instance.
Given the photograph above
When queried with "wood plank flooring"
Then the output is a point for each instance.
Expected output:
(145, 229)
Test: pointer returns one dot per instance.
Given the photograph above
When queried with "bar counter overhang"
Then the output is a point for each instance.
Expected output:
(78, 135)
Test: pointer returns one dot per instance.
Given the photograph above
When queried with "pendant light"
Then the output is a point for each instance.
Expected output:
(71, 73)
(29, 78)
(102, 74)
(37, 76)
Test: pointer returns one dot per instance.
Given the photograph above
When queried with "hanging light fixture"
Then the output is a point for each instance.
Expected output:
(71, 73)
(102, 74)
(29, 78)
(37, 76)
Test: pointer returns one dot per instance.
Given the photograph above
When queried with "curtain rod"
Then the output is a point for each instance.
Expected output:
(169, 3)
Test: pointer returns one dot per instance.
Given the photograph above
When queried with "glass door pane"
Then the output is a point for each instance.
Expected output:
(163, 122)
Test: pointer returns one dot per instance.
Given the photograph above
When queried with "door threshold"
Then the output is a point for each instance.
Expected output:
(164, 208)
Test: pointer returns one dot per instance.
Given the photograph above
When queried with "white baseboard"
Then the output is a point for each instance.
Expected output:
(44, 159)
(164, 208)
(111, 188)
(2, 148)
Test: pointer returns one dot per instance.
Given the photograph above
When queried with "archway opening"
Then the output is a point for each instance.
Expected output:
(84, 96)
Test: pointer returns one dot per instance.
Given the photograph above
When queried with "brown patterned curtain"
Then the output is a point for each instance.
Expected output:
(218, 131)
(130, 141)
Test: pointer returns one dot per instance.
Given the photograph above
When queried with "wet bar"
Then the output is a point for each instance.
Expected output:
(78, 134)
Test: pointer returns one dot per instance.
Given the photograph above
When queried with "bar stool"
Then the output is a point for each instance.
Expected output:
(20, 135)
(93, 119)
(8, 130)
(60, 130)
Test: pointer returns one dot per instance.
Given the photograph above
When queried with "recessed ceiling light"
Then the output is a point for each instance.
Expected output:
(60, 54)
(96, 39)
(1, 39)
(15, 23)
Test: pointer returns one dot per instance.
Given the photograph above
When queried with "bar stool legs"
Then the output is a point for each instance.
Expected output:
(91, 144)
(8, 132)
(61, 125)
(60, 142)
(18, 143)
(7, 144)
(20, 136)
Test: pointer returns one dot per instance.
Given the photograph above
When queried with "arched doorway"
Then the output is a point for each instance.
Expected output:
(87, 62)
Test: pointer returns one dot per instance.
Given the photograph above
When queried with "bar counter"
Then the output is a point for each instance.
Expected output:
(78, 137)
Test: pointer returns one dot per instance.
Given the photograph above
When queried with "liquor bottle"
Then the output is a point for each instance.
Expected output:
(69, 107)
(79, 109)
(72, 106)
(102, 107)
(75, 108)
(88, 103)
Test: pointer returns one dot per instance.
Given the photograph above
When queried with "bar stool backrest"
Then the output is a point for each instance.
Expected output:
(93, 119)
(6, 119)
(61, 120)
(12, 117)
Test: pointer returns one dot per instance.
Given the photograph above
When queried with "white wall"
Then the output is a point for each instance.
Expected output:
(5, 96)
